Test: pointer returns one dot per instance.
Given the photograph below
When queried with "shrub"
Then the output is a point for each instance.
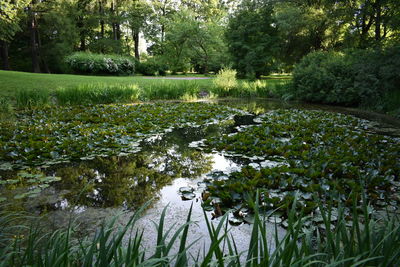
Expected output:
(325, 77)
(87, 63)
(152, 67)
(354, 77)
(97, 94)
(225, 82)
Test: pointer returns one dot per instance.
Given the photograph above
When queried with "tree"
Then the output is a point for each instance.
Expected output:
(252, 38)
(306, 26)
(9, 25)
(162, 13)
(59, 35)
(138, 12)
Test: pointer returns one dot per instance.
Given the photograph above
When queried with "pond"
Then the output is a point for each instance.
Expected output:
(91, 163)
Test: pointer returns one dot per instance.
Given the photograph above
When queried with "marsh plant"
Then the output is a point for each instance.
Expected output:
(225, 82)
(97, 94)
(6, 109)
(364, 242)
(186, 90)
(32, 98)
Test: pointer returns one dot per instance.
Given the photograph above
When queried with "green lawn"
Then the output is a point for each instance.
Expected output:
(11, 81)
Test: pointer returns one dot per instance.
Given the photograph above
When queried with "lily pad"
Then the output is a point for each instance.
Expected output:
(188, 196)
(235, 221)
(186, 189)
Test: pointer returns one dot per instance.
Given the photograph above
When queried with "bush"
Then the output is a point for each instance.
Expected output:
(97, 94)
(225, 82)
(325, 77)
(152, 67)
(354, 77)
(87, 63)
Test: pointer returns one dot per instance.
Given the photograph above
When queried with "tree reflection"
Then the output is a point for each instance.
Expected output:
(132, 180)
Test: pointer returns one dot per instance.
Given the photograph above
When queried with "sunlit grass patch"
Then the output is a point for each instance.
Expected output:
(97, 94)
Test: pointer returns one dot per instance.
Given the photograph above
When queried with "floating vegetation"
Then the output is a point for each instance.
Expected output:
(29, 184)
(57, 135)
(308, 155)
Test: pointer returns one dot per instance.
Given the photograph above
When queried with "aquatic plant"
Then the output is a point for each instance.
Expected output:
(58, 135)
(310, 153)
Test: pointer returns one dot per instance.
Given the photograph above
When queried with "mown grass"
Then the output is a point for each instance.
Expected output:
(365, 242)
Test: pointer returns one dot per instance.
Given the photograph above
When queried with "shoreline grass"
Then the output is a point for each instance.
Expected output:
(366, 242)
(28, 90)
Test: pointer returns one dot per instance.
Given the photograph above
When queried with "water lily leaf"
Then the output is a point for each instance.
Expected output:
(235, 221)
(20, 196)
(186, 189)
(249, 218)
(188, 196)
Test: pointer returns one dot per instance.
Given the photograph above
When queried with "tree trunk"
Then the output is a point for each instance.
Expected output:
(82, 45)
(113, 23)
(101, 12)
(378, 10)
(35, 55)
(43, 62)
(118, 29)
(81, 6)
(4, 55)
(135, 36)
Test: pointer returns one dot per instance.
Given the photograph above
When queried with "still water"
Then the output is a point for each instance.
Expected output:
(168, 171)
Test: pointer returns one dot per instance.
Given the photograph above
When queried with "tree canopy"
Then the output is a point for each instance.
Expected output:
(255, 37)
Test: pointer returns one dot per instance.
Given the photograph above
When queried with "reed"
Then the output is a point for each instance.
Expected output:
(97, 94)
(366, 242)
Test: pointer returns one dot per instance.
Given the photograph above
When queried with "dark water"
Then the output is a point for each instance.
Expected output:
(90, 191)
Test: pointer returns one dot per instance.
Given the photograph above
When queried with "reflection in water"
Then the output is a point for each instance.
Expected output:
(130, 181)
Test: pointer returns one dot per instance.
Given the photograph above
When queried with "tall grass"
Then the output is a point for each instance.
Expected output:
(97, 94)
(226, 85)
(32, 98)
(186, 90)
(6, 109)
(366, 242)
(225, 82)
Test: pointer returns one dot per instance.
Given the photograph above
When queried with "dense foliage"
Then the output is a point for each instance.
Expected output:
(152, 67)
(252, 38)
(352, 77)
(257, 36)
(87, 63)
